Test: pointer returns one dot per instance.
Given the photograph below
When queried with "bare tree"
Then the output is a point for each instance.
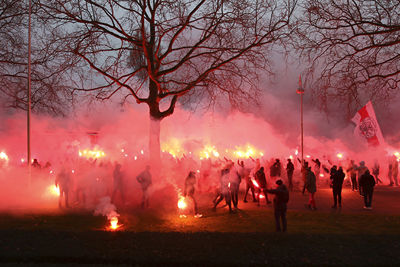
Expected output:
(353, 48)
(157, 51)
(50, 64)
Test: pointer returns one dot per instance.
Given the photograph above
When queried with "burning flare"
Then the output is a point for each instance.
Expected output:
(255, 183)
(114, 223)
(54, 190)
(182, 203)
(95, 153)
(247, 152)
(209, 151)
(3, 156)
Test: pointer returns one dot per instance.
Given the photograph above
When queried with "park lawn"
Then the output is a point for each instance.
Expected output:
(245, 238)
(243, 221)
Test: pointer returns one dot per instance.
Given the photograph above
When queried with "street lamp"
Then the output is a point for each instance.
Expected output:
(29, 94)
(300, 91)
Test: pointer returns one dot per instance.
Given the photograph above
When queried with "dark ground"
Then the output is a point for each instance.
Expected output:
(326, 237)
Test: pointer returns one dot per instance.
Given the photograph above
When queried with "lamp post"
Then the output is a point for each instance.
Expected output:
(29, 94)
(300, 91)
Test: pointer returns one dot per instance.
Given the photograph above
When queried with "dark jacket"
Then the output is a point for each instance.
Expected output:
(260, 178)
(337, 179)
(281, 197)
(275, 169)
(367, 181)
(290, 167)
(311, 181)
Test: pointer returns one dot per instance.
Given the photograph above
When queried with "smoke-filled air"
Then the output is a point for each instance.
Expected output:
(98, 159)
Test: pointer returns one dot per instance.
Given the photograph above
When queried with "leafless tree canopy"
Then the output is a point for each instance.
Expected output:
(353, 47)
(49, 63)
(162, 49)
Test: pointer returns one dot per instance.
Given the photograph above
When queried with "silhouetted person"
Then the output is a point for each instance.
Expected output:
(144, 179)
(311, 186)
(234, 181)
(262, 182)
(280, 205)
(332, 173)
(317, 168)
(275, 169)
(304, 171)
(118, 182)
(352, 170)
(375, 172)
(360, 171)
(367, 182)
(249, 185)
(395, 171)
(224, 189)
(36, 164)
(189, 190)
(289, 172)
(63, 181)
(337, 183)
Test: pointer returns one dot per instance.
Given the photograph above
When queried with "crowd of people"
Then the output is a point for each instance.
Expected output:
(222, 178)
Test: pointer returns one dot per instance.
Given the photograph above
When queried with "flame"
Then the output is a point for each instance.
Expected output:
(53, 190)
(173, 147)
(209, 151)
(255, 183)
(321, 175)
(339, 155)
(247, 152)
(95, 153)
(182, 203)
(3, 155)
(114, 223)
(397, 155)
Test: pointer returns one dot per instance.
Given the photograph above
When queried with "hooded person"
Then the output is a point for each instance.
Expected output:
(280, 205)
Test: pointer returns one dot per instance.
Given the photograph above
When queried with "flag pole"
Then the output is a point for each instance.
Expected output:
(29, 95)
(300, 91)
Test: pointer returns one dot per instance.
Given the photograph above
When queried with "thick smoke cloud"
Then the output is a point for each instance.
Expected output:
(272, 131)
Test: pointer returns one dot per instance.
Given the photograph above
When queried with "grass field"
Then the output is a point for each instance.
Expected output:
(326, 237)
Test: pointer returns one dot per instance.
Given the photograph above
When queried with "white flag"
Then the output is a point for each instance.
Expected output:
(367, 126)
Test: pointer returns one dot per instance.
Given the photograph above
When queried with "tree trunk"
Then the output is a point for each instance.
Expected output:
(154, 141)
